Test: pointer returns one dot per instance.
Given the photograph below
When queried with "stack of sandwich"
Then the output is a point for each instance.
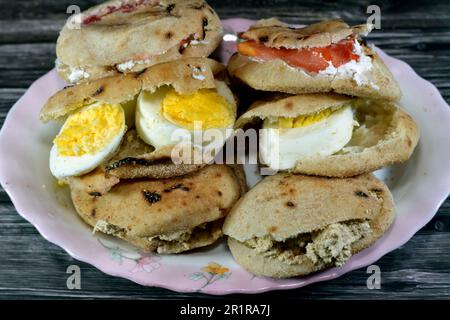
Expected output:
(141, 75)
(142, 85)
(327, 118)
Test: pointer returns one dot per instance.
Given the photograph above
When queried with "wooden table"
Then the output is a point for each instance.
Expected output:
(417, 32)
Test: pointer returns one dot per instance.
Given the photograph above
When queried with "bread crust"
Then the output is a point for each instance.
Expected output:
(150, 34)
(135, 159)
(291, 106)
(111, 90)
(276, 34)
(183, 75)
(139, 209)
(286, 205)
(397, 147)
(262, 266)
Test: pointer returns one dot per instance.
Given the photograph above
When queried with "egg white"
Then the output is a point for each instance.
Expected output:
(280, 149)
(67, 166)
(154, 129)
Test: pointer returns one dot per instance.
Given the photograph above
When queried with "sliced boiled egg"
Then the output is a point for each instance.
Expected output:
(88, 138)
(165, 118)
(284, 141)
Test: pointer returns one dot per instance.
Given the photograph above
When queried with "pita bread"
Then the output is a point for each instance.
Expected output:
(136, 159)
(386, 134)
(183, 75)
(284, 207)
(118, 89)
(129, 36)
(276, 75)
(165, 215)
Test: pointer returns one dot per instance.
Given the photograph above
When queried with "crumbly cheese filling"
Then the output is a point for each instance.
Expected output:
(167, 242)
(179, 236)
(330, 246)
(75, 74)
(129, 65)
(109, 228)
(359, 71)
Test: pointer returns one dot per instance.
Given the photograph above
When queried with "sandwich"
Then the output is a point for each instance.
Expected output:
(133, 124)
(115, 152)
(324, 57)
(124, 36)
(162, 215)
(329, 134)
(293, 225)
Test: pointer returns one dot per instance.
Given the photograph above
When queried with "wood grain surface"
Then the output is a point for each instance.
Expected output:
(418, 32)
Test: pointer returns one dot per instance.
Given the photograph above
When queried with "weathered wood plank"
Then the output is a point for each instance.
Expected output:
(26, 253)
(47, 30)
(40, 9)
(21, 31)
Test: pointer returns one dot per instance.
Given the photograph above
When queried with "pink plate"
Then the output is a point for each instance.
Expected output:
(419, 187)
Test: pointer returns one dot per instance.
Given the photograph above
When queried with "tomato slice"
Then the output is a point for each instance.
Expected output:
(310, 59)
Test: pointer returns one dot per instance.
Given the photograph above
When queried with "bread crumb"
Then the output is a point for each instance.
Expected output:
(332, 245)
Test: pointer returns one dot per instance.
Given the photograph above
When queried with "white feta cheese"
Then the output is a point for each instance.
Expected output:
(125, 66)
(129, 65)
(357, 70)
(77, 75)
(197, 42)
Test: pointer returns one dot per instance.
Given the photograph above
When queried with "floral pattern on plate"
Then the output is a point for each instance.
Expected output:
(210, 274)
(143, 262)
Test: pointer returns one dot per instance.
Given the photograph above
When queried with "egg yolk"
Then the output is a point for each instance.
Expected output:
(90, 130)
(205, 107)
(301, 121)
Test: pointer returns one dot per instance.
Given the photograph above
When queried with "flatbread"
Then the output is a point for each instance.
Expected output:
(285, 206)
(386, 134)
(276, 34)
(185, 75)
(129, 36)
(115, 89)
(142, 210)
(136, 159)
(277, 76)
